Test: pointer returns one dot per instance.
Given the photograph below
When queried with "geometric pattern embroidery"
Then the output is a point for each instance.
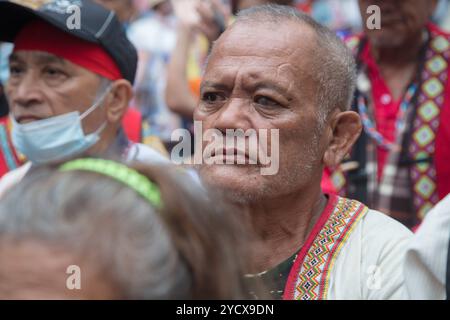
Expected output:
(425, 186)
(424, 210)
(433, 87)
(426, 124)
(429, 111)
(422, 166)
(440, 44)
(423, 136)
(436, 65)
(313, 279)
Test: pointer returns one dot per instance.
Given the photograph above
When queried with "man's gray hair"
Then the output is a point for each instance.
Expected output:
(334, 65)
(124, 234)
(188, 248)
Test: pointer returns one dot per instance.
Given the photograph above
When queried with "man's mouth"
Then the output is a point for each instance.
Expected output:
(232, 156)
(391, 20)
(27, 119)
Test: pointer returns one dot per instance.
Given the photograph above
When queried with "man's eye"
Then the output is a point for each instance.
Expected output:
(265, 101)
(211, 97)
(53, 72)
(15, 70)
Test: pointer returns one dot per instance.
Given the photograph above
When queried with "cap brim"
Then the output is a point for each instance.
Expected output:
(13, 17)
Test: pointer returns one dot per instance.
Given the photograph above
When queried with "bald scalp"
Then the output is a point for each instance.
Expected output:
(332, 64)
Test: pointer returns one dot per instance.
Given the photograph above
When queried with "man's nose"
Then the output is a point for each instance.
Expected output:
(234, 115)
(25, 93)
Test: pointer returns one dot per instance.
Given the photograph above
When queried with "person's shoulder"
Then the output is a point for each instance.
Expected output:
(18, 172)
(143, 153)
(377, 223)
(383, 238)
(13, 177)
(435, 226)
(374, 228)
(380, 225)
(377, 218)
(147, 155)
(375, 249)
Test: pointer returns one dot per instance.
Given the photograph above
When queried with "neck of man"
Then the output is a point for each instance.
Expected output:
(400, 56)
(398, 65)
(104, 144)
(282, 225)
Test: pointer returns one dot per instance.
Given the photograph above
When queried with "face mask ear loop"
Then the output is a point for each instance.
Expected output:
(96, 104)
(99, 130)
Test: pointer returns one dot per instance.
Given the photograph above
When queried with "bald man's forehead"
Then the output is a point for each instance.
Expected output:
(281, 51)
(289, 41)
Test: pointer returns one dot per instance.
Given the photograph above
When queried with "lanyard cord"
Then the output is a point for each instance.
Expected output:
(409, 99)
(369, 126)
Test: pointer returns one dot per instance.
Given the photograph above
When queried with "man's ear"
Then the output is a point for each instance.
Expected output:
(346, 128)
(118, 100)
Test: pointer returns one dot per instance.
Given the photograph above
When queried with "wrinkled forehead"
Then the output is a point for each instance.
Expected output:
(266, 45)
(36, 57)
(269, 37)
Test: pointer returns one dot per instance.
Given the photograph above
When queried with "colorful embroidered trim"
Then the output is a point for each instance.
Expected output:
(426, 123)
(312, 282)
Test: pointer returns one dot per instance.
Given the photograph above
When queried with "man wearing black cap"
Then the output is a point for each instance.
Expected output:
(69, 87)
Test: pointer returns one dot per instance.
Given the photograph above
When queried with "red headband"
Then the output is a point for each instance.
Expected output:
(41, 36)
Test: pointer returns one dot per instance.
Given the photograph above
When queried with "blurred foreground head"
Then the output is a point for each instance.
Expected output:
(56, 225)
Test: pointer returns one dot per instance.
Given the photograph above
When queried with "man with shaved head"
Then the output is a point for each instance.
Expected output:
(277, 69)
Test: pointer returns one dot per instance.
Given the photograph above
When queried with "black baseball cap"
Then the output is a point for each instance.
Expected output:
(98, 25)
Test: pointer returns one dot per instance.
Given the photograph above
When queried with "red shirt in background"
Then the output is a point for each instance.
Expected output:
(385, 107)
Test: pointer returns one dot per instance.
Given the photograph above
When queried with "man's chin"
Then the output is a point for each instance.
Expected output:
(236, 182)
(230, 170)
(386, 39)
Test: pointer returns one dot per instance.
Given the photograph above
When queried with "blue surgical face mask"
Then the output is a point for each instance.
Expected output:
(56, 138)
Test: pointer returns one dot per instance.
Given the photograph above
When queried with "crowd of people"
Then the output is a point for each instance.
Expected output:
(357, 209)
